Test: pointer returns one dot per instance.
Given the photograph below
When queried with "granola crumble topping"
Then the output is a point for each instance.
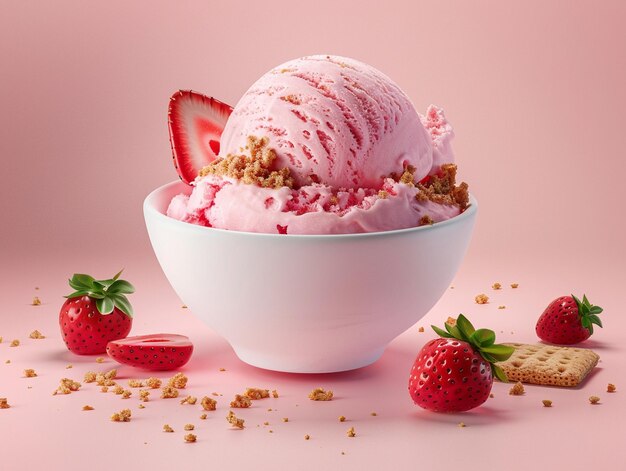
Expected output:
(320, 394)
(232, 419)
(517, 389)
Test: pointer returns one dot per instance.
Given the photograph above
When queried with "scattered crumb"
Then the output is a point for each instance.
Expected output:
(319, 394)
(274, 393)
(29, 373)
(491, 395)
(232, 419)
(100, 360)
(426, 220)
(270, 431)
(611, 388)
(189, 427)
(178, 381)
(87, 408)
(36, 301)
(0, 338)
(421, 329)
(351, 433)
(118, 390)
(89, 377)
(126, 394)
(256, 393)
(184, 306)
(121, 416)
(240, 402)
(35, 334)
(104, 389)
(266, 423)
(143, 395)
(547, 403)
(481, 299)
(191, 400)
(222, 369)
(496, 286)
(502, 306)
(135, 383)
(208, 403)
(517, 389)
(285, 419)
(203, 417)
(69, 366)
(168, 429)
(15, 343)
(190, 438)
(37, 287)
(67, 386)
(270, 409)
(4, 404)
(373, 414)
(342, 418)
(514, 285)
(462, 424)
(594, 400)
(451, 321)
(307, 437)
(8, 361)
(153, 383)
(141, 406)
(169, 392)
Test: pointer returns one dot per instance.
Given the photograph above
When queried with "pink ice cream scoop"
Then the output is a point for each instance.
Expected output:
(342, 151)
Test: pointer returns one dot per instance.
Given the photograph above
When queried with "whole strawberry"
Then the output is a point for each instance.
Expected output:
(568, 320)
(97, 312)
(455, 373)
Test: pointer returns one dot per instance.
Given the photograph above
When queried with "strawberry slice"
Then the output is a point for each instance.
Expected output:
(196, 123)
(157, 352)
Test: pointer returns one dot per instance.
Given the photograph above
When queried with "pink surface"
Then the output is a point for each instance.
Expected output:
(536, 95)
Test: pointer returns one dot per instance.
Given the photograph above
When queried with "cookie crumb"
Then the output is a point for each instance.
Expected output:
(462, 424)
(35, 334)
(547, 403)
(184, 306)
(451, 321)
(89, 377)
(4, 403)
(274, 393)
(135, 383)
(342, 418)
(594, 400)
(153, 383)
(69, 366)
(481, 299)
(29, 373)
(307, 437)
(611, 388)
(168, 429)
(517, 389)
(256, 393)
(266, 423)
(420, 329)
(351, 433)
(514, 285)
(8, 361)
(169, 392)
(240, 402)
(190, 438)
(232, 419)
(320, 394)
(496, 286)
(203, 417)
(87, 407)
(178, 381)
(189, 427)
(100, 360)
(373, 414)
(144, 395)
(502, 306)
(126, 394)
(491, 395)
(222, 369)
(36, 301)
(118, 390)
(191, 400)
(141, 406)
(121, 416)
(15, 343)
(208, 403)
(67, 386)
(285, 419)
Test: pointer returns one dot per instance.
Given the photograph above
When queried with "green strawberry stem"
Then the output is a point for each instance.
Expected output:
(481, 340)
(108, 294)
(588, 313)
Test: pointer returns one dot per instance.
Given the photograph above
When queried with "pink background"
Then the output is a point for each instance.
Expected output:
(536, 93)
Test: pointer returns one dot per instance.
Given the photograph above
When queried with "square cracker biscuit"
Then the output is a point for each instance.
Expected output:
(548, 364)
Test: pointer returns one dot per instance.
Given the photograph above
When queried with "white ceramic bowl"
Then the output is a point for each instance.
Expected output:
(307, 303)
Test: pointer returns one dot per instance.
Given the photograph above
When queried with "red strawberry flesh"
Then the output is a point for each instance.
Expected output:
(157, 352)
(196, 123)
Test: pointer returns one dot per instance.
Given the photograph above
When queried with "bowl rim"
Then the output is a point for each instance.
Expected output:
(149, 207)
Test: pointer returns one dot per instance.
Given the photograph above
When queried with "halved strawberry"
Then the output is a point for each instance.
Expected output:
(157, 352)
(196, 123)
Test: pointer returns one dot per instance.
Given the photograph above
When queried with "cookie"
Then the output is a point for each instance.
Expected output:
(548, 364)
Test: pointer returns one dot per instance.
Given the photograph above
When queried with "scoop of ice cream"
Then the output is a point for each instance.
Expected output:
(332, 120)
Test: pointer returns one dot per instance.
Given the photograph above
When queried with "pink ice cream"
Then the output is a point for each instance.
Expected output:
(345, 133)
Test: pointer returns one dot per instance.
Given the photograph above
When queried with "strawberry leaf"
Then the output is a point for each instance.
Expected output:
(105, 305)
(80, 280)
(499, 373)
(441, 332)
(499, 352)
(121, 287)
(122, 303)
(595, 320)
(465, 327)
(483, 337)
